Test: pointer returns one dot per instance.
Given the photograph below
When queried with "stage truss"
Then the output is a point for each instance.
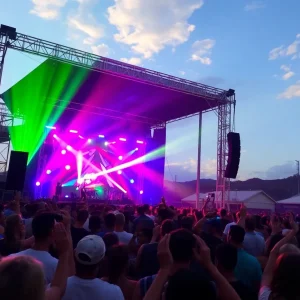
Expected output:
(10, 39)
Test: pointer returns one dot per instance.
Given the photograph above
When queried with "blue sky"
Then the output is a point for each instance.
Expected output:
(250, 46)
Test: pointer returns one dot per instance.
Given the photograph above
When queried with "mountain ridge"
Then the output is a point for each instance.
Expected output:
(278, 189)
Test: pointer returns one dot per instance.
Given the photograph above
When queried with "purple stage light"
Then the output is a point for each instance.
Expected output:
(136, 149)
(51, 127)
(88, 181)
(37, 183)
(131, 181)
(48, 172)
(122, 139)
(120, 157)
(63, 152)
(101, 136)
(67, 167)
(106, 143)
(69, 148)
(81, 137)
(73, 131)
(119, 172)
(139, 142)
(113, 142)
(90, 140)
(55, 136)
(66, 196)
(141, 192)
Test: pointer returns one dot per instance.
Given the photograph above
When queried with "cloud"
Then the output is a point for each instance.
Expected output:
(101, 49)
(288, 73)
(149, 26)
(201, 51)
(291, 50)
(182, 73)
(278, 172)
(47, 9)
(187, 170)
(132, 61)
(212, 80)
(254, 5)
(83, 21)
(292, 91)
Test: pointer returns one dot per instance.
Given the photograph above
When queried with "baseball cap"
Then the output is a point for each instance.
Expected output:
(90, 250)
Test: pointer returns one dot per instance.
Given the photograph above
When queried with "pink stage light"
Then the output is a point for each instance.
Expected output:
(81, 137)
(101, 136)
(139, 142)
(122, 139)
(63, 152)
(90, 140)
(119, 172)
(69, 148)
(67, 167)
(73, 131)
(88, 181)
(37, 183)
(106, 143)
(141, 192)
(48, 172)
(120, 157)
(131, 181)
(51, 127)
(136, 149)
(55, 136)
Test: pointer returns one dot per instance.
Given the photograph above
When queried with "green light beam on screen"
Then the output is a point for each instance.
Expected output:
(36, 97)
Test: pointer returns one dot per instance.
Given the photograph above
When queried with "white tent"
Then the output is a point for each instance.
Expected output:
(191, 200)
(292, 200)
(254, 200)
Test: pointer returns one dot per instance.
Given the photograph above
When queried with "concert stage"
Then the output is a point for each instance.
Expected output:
(99, 124)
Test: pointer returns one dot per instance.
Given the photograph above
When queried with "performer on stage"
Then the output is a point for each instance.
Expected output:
(83, 193)
(58, 191)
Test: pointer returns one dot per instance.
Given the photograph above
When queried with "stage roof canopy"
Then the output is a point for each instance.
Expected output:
(111, 95)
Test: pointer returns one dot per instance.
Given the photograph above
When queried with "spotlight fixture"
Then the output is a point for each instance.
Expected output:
(141, 192)
(106, 143)
(122, 139)
(81, 137)
(73, 131)
(136, 149)
(101, 136)
(120, 157)
(88, 181)
(67, 196)
(90, 141)
(120, 172)
(37, 183)
(55, 136)
(131, 181)
(63, 152)
(48, 172)
(51, 127)
(67, 167)
(69, 148)
(139, 142)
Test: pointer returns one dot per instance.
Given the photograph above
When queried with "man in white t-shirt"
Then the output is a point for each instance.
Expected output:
(124, 236)
(42, 229)
(86, 285)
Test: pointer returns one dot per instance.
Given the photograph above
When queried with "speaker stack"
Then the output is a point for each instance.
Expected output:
(234, 155)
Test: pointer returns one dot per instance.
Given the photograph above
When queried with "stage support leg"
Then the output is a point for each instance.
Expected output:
(199, 162)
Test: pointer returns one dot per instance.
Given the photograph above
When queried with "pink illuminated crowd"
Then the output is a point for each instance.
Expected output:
(79, 251)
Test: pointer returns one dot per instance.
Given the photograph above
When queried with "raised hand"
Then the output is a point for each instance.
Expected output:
(202, 252)
(164, 254)
(61, 239)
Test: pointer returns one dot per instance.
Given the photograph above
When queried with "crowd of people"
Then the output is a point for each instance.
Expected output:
(77, 252)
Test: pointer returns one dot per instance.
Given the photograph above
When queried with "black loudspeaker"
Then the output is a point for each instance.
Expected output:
(16, 171)
(234, 154)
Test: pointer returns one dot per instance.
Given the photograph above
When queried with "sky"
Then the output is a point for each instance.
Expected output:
(252, 47)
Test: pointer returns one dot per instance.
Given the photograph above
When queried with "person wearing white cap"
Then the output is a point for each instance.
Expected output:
(85, 285)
